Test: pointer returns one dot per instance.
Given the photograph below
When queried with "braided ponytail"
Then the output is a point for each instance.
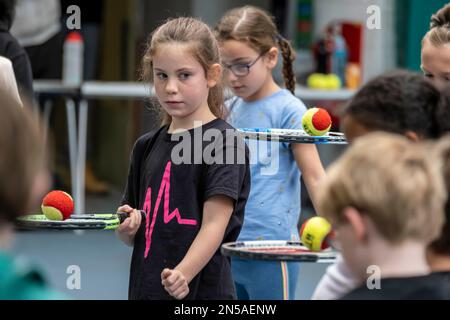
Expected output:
(288, 55)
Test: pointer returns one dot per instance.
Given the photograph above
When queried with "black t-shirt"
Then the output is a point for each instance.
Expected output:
(10, 48)
(173, 194)
(435, 286)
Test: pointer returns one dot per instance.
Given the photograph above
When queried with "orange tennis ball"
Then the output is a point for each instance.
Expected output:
(316, 122)
(316, 233)
(57, 205)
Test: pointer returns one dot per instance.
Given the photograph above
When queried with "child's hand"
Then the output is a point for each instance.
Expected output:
(131, 224)
(175, 283)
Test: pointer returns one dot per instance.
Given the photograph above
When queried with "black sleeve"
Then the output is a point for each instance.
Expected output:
(24, 75)
(21, 65)
(12, 50)
(227, 178)
(131, 193)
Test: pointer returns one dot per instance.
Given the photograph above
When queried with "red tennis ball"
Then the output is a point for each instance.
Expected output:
(57, 205)
(316, 122)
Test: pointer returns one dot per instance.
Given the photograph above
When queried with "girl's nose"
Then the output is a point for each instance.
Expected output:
(171, 87)
(230, 76)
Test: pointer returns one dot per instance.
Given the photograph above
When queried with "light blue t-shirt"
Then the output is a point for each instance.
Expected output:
(273, 207)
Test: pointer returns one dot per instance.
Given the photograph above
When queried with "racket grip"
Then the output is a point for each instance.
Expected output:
(124, 215)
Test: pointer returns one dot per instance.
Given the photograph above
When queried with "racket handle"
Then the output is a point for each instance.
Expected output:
(124, 215)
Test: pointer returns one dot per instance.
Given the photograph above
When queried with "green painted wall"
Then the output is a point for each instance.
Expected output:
(413, 19)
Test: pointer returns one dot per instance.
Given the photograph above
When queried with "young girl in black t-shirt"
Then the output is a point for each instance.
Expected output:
(190, 177)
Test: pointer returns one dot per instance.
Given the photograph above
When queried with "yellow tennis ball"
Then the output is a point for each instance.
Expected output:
(317, 81)
(316, 122)
(333, 82)
(52, 213)
(314, 233)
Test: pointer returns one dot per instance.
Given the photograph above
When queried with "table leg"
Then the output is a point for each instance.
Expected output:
(48, 106)
(81, 155)
(72, 131)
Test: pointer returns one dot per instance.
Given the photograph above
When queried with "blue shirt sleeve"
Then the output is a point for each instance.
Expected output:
(292, 116)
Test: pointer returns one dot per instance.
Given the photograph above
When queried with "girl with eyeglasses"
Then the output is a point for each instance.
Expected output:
(250, 42)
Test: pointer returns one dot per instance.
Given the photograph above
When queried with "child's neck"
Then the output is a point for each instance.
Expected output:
(269, 87)
(406, 259)
(438, 262)
(196, 119)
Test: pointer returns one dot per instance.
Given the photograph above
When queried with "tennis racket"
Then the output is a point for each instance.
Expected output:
(291, 136)
(276, 250)
(107, 221)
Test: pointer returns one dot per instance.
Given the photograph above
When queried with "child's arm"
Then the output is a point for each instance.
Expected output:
(309, 163)
(217, 211)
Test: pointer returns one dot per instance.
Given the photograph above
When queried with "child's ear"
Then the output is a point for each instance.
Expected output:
(272, 57)
(357, 223)
(214, 75)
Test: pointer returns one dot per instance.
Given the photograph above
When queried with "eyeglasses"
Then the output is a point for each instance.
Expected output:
(241, 69)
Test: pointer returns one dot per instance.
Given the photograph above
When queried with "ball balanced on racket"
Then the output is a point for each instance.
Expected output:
(57, 205)
(316, 122)
(316, 234)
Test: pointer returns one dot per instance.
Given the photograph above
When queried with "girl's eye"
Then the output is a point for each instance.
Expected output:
(241, 67)
(428, 75)
(184, 76)
(161, 76)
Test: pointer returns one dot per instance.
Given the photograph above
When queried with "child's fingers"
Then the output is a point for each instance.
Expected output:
(125, 208)
(167, 282)
(181, 293)
(124, 225)
(173, 278)
(165, 273)
(129, 225)
(132, 220)
(176, 286)
(136, 219)
(174, 283)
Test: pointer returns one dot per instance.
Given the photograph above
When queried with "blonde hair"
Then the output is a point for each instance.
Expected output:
(23, 156)
(392, 181)
(203, 46)
(439, 33)
(256, 27)
(442, 147)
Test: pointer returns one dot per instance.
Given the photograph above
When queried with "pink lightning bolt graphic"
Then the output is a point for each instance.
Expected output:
(164, 187)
